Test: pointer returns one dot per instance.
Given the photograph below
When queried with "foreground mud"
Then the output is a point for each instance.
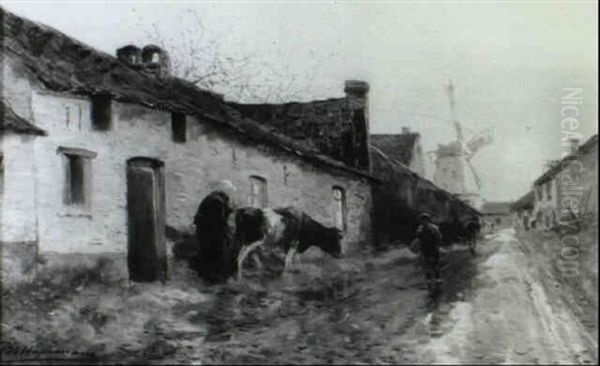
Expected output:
(371, 308)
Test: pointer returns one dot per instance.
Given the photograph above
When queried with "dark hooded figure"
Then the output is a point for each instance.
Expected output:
(214, 235)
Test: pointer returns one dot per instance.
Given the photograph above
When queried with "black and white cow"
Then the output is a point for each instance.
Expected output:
(287, 228)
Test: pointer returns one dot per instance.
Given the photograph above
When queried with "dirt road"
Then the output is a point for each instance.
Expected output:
(515, 312)
(500, 306)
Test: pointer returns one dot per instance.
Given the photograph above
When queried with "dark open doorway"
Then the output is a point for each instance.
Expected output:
(146, 254)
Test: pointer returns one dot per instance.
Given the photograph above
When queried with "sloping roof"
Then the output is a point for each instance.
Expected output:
(525, 202)
(495, 208)
(385, 167)
(397, 146)
(582, 150)
(299, 120)
(59, 63)
(322, 124)
(10, 121)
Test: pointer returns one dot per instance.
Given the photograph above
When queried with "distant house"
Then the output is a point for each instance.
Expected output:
(404, 148)
(496, 214)
(101, 154)
(569, 188)
(522, 210)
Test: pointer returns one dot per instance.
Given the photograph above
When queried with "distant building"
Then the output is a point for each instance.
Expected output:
(101, 154)
(522, 211)
(569, 188)
(496, 215)
(404, 148)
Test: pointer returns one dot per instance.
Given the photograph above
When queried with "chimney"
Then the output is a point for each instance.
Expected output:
(405, 130)
(130, 54)
(357, 95)
(573, 145)
(156, 61)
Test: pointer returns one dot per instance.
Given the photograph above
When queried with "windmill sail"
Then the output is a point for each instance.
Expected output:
(481, 139)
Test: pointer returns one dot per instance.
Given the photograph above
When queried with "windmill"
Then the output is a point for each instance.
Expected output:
(453, 169)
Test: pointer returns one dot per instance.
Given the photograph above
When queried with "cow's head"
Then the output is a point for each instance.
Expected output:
(331, 242)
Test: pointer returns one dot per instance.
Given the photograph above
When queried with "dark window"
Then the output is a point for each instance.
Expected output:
(77, 163)
(339, 208)
(258, 192)
(549, 190)
(539, 192)
(101, 112)
(178, 127)
(75, 180)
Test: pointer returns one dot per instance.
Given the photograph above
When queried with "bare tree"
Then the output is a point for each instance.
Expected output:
(198, 57)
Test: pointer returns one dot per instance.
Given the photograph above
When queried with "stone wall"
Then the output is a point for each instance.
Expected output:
(17, 199)
(403, 196)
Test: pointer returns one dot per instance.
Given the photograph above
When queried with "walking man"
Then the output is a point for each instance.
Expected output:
(472, 229)
(430, 238)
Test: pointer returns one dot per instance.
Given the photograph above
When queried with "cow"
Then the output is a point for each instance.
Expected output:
(287, 228)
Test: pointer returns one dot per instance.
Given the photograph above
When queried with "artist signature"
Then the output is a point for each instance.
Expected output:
(14, 352)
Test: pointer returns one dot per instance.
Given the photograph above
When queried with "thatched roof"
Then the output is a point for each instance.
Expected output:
(60, 63)
(322, 124)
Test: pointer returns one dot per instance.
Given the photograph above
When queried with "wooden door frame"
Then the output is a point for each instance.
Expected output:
(159, 207)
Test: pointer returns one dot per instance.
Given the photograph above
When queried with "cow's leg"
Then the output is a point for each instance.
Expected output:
(289, 258)
(244, 253)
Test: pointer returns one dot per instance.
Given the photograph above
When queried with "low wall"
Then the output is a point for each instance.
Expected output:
(403, 195)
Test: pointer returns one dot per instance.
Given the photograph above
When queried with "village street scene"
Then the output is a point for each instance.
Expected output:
(298, 182)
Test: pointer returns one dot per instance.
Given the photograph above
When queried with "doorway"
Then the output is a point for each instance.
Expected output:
(146, 251)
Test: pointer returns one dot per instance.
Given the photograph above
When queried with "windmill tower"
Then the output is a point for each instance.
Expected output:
(453, 169)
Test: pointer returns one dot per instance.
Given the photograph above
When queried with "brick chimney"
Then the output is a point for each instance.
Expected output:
(156, 61)
(130, 54)
(357, 95)
(405, 130)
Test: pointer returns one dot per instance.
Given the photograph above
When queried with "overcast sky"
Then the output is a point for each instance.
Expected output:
(509, 62)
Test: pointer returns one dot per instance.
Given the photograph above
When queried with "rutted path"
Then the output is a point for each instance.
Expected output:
(513, 314)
